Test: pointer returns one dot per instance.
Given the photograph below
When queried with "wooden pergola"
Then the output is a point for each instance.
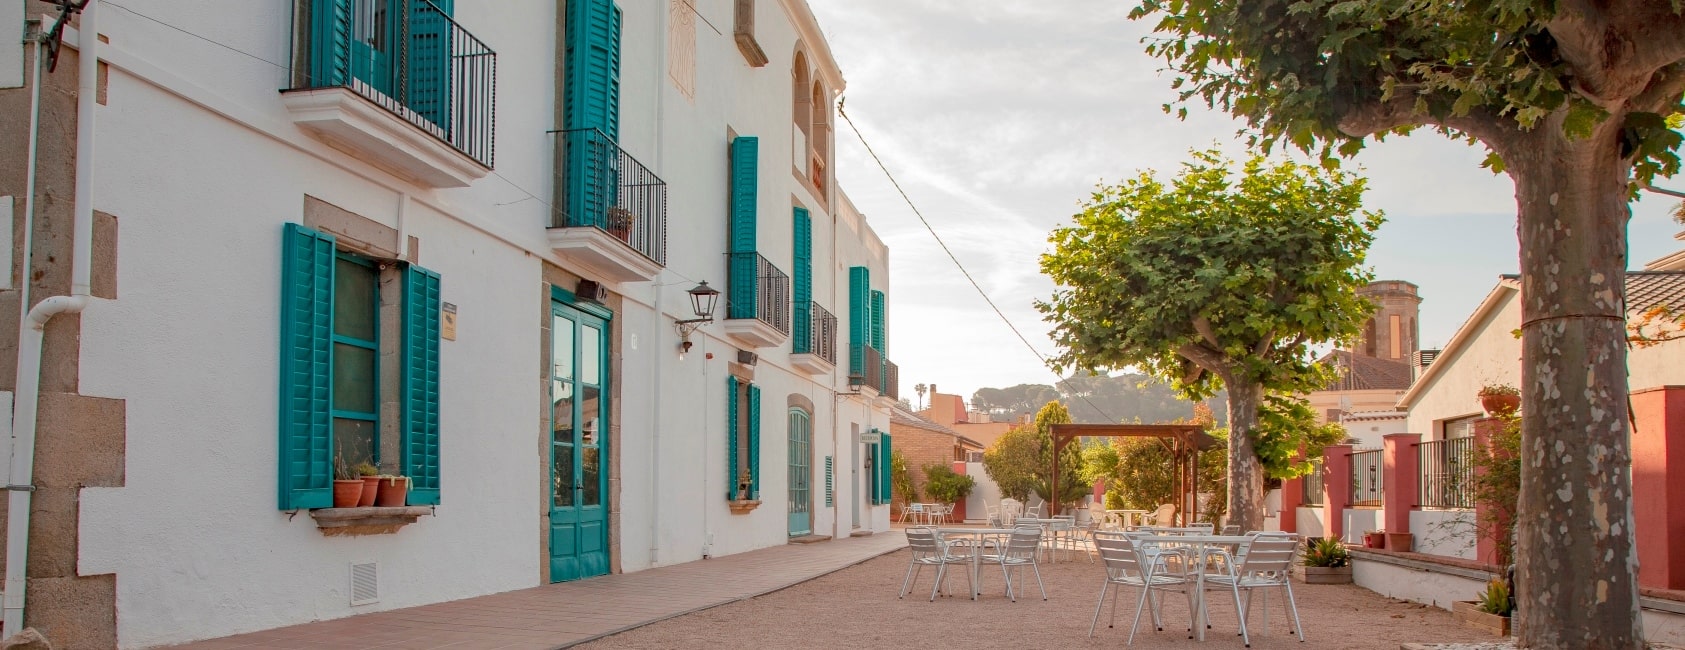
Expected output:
(1185, 441)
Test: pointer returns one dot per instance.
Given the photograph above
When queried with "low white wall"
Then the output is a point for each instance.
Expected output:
(1663, 627)
(1310, 522)
(1359, 521)
(1416, 585)
(1451, 533)
(986, 493)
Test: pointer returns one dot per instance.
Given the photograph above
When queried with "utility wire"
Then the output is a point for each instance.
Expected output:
(202, 38)
(963, 271)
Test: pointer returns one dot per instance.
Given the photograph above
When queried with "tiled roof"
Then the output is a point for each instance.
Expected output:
(1646, 289)
(909, 419)
(1358, 372)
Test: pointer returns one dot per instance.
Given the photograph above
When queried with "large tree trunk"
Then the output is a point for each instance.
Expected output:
(1576, 564)
(1246, 472)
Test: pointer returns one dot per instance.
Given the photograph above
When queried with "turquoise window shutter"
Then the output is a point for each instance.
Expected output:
(592, 86)
(887, 453)
(754, 441)
(421, 385)
(877, 322)
(306, 428)
(731, 437)
(859, 317)
(428, 66)
(802, 279)
(872, 481)
(742, 273)
(330, 43)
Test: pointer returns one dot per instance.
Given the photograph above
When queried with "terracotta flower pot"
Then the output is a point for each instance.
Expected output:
(393, 491)
(346, 493)
(1500, 404)
(371, 487)
(1374, 540)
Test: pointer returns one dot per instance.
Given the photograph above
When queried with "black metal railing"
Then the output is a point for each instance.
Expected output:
(869, 371)
(604, 187)
(410, 58)
(820, 337)
(891, 379)
(1314, 490)
(758, 290)
(1447, 473)
(1366, 478)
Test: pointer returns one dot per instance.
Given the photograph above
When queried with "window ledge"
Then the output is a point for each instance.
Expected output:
(349, 122)
(366, 521)
(743, 507)
(812, 364)
(606, 253)
(754, 333)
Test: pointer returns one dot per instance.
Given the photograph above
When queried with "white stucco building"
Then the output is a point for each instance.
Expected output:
(451, 239)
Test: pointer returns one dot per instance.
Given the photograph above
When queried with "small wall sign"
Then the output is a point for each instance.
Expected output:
(447, 322)
(871, 438)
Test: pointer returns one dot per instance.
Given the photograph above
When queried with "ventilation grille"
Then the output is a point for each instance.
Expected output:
(1426, 358)
(829, 499)
(365, 583)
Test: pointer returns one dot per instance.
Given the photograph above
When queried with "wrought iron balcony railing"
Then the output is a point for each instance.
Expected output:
(758, 290)
(604, 187)
(1367, 478)
(869, 371)
(891, 379)
(1447, 468)
(815, 332)
(410, 58)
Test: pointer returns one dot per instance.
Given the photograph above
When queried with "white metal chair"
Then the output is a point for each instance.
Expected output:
(929, 549)
(914, 510)
(1128, 566)
(1164, 516)
(1265, 563)
(1021, 550)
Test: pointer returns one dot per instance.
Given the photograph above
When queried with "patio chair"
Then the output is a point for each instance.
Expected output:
(993, 513)
(1033, 512)
(1266, 563)
(1021, 550)
(929, 549)
(1164, 516)
(1127, 566)
(915, 510)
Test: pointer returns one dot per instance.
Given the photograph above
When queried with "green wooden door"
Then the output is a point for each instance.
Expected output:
(579, 444)
(801, 473)
(374, 34)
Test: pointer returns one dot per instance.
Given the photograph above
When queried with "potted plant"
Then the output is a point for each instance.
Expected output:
(1500, 399)
(1326, 562)
(1490, 613)
(1374, 539)
(371, 483)
(347, 487)
(394, 490)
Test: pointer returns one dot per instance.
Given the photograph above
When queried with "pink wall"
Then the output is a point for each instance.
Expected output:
(1658, 485)
(1400, 477)
(1336, 489)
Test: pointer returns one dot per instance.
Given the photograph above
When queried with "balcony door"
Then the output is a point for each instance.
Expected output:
(801, 473)
(374, 40)
(579, 455)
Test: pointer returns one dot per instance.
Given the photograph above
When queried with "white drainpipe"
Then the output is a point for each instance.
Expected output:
(21, 468)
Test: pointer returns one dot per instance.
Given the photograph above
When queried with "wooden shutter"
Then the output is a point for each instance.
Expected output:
(801, 329)
(428, 62)
(420, 385)
(742, 273)
(872, 481)
(731, 437)
(754, 441)
(330, 43)
(592, 85)
(306, 427)
(885, 452)
(859, 317)
(877, 322)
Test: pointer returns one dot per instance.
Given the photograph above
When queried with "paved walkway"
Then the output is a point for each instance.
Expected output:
(561, 615)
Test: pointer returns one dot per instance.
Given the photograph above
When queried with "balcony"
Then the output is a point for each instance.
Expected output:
(401, 86)
(758, 301)
(814, 349)
(612, 211)
(868, 368)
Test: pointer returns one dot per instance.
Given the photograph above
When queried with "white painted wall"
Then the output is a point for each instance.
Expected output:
(1416, 585)
(1309, 522)
(202, 166)
(1358, 521)
(986, 493)
(1450, 533)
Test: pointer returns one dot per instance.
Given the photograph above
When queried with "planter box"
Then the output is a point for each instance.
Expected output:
(1469, 613)
(1324, 575)
(1398, 542)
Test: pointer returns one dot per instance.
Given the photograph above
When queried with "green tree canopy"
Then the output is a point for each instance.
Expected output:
(1011, 462)
(1216, 279)
(1570, 99)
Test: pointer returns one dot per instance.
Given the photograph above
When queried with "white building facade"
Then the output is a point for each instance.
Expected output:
(451, 240)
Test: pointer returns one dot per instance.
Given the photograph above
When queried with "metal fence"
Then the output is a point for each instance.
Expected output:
(411, 59)
(1314, 490)
(604, 187)
(870, 373)
(891, 379)
(765, 298)
(821, 339)
(1366, 478)
(1447, 473)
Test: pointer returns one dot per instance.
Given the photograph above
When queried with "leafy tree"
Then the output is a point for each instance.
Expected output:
(900, 481)
(1011, 462)
(1071, 485)
(1126, 397)
(1215, 281)
(1015, 400)
(1289, 437)
(1497, 485)
(945, 485)
(1569, 99)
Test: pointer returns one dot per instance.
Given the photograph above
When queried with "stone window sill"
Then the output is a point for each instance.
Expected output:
(742, 507)
(366, 521)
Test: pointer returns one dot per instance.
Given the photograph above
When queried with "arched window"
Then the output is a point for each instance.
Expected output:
(820, 138)
(801, 109)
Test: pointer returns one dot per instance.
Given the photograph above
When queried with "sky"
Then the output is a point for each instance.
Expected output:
(999, 117)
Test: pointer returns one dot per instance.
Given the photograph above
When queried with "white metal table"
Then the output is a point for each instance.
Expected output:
(978, 535)
(1198, 543)
(1126, 518)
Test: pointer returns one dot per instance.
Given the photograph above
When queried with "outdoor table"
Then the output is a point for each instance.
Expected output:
(976, 549)
(1126, 518)
(1198, 544)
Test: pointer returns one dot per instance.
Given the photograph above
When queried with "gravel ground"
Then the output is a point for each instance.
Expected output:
(857, 608)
